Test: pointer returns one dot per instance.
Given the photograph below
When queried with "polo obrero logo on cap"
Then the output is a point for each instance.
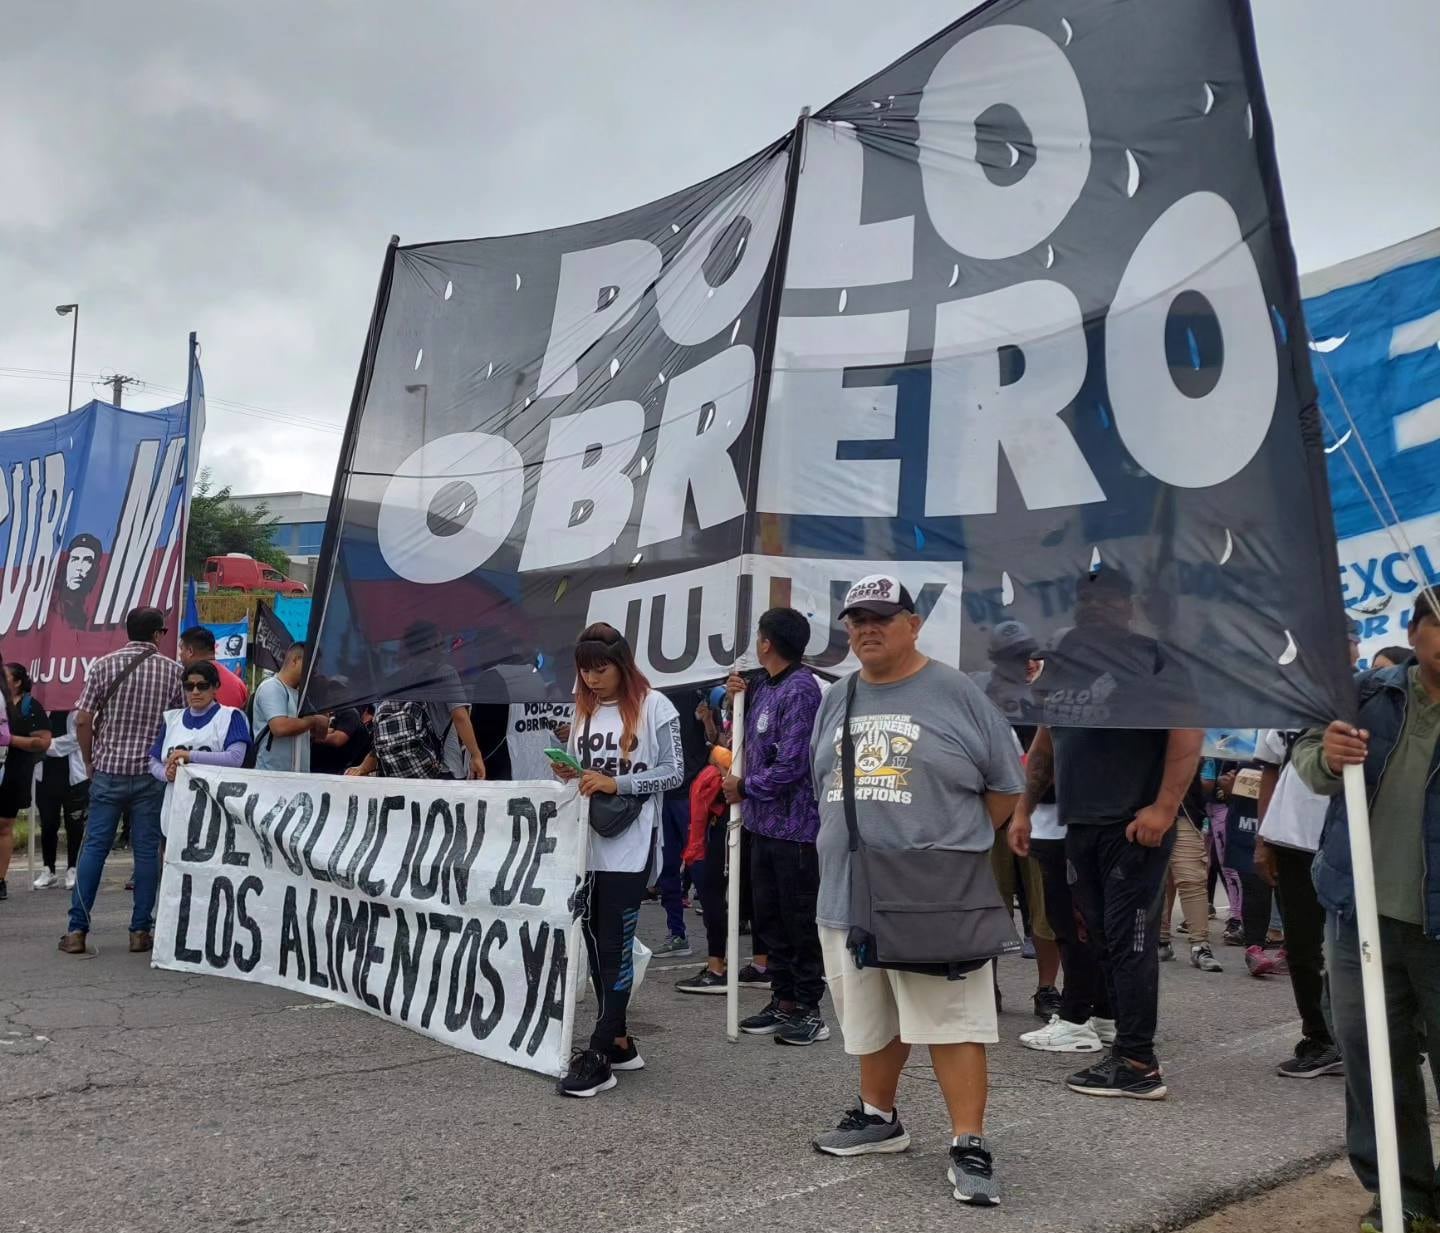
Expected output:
(875, 588)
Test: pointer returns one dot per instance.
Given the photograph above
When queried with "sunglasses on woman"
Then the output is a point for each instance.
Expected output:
(197, 687)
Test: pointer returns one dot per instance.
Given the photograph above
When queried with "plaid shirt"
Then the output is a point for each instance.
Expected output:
(130, 720)
(404, 743)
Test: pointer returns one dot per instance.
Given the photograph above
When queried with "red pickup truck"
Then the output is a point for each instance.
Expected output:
(237, 572)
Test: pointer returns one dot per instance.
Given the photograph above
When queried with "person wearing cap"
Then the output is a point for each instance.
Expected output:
(936, 767)
(1119, 792)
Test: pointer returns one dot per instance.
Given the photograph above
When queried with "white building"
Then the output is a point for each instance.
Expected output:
(300, 519)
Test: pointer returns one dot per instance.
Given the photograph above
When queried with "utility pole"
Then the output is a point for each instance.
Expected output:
(117, 385)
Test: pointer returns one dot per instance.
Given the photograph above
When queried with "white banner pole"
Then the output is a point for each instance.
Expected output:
(1377, 1026)
(733, 863)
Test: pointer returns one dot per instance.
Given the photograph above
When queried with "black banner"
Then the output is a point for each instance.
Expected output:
(272, 640)
(1039, 354)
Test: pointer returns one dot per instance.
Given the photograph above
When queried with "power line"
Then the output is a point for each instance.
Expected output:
(224, 404)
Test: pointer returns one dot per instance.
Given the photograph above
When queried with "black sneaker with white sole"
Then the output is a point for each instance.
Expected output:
(589, 1075)
(1114, 1076)
(752, 977)
(1312, 1059)
(627, 1058)
(706, 982)
(972, 1172)
(804, 1027)
(861, 1133)
(768, 1021)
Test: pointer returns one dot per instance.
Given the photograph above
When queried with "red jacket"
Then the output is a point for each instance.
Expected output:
(706, 805)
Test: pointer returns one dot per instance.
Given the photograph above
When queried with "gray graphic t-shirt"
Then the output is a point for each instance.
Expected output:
(926, 750)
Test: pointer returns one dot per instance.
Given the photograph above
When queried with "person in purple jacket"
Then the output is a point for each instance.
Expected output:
(779, 810)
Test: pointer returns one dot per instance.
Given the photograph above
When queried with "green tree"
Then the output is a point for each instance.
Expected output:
(218, 526)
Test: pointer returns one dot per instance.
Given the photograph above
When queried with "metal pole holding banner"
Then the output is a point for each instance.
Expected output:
(1377, 1022)
(732, 864)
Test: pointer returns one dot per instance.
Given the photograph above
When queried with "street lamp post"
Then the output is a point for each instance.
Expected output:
(65, 310)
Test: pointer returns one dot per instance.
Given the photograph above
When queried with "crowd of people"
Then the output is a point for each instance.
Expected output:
(892, 823)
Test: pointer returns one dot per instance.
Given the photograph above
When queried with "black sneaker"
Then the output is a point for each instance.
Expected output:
(861, 1133)
(1114, 1076)
(1047, 1002)
(804, 1027)
(1312, 1059)
(706, 982)
(752, 977)
(972, 1172)
(627, 1058)
(1234, 934)
(589, 1075)
(768, 1021)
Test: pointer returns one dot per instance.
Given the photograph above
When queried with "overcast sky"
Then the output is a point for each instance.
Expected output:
(237, 169)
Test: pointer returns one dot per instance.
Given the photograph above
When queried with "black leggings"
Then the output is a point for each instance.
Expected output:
(611, 913)
(73, 804)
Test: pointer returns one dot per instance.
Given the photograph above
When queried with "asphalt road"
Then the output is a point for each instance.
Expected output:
(136, 1099)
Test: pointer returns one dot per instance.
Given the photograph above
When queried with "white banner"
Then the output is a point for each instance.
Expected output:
(443, 906)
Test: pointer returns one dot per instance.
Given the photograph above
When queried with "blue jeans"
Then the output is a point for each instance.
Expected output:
(675, 833)
(110, 796)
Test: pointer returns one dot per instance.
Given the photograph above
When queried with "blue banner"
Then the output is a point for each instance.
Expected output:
(232, 645)
(92, 516)
(1374, 326)
(294, 614)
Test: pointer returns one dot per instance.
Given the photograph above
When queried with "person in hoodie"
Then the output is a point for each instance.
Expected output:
(777, 802)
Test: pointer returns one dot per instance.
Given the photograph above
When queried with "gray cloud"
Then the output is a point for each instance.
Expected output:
(237, 169)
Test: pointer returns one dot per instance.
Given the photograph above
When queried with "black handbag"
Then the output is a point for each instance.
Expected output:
(611, 813)
(926, 910)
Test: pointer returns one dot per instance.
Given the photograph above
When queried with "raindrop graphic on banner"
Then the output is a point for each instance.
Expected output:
(419, 356)
(1069, 31)
(489, 370)
(449, 289)
(660, 377)
(644, 463)
(614, 367)
(1229, 548)
(1209, 98)
(1330, 449)
(1132, 180)
(1049, 255)
(674, 228)
(844, 295)
(954, 276)
(707, 418)
(1327, 345)
(635, 560)
(1095, 561)
(735, 331)
(1291, 651)
(1249, 121)
(1371, 607)
(1014, 153)
(1007, 589)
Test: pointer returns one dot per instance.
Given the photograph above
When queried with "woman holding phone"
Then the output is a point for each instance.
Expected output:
(626, 738)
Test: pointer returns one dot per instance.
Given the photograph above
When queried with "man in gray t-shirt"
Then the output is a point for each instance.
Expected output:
(935, 768)
(926, 750)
